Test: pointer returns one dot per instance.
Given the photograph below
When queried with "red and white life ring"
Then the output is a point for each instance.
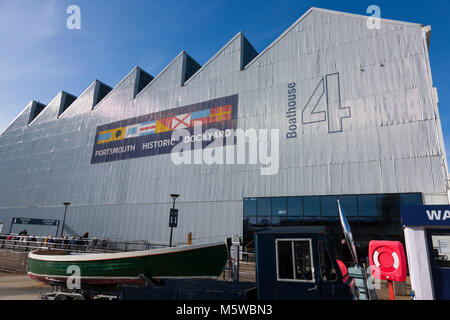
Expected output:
(386, 259)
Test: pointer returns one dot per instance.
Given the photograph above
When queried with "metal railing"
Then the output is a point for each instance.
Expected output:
(93, 245)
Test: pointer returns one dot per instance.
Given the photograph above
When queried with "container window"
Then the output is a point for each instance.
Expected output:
(303, 265)
(285, 266)
(294, 260)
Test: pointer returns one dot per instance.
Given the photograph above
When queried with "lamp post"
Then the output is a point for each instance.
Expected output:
(66, 204)
(173, 219)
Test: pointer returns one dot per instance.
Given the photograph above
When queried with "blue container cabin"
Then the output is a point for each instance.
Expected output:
(297, 263)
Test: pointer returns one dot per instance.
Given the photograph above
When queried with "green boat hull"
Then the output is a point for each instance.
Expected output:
(205, 261)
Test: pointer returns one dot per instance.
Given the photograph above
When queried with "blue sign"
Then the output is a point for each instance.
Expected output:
(41, 222)
(433, 215)
(151, 134)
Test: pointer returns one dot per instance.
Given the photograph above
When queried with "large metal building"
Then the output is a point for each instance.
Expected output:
(357, 116)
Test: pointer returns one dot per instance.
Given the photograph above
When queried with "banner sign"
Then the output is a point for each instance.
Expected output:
(41, 222)
(151, 134)
(432, 215)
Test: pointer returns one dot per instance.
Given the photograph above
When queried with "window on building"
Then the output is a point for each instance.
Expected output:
(279, 207)
(252, 221)
(294, 219)
(329, 206)
(264, 221)
(264, 207)
(249, 207)
(441, 249)
(294, 260)
(311, 207)
(410, 199)
(295, 207)
(279, 221)
(379, 212)
(349, 205)
(389, 206)
(367, 205)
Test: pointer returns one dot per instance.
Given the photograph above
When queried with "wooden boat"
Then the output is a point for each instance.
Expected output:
(194, 261)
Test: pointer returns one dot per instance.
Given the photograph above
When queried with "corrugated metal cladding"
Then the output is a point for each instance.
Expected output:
(388, 141)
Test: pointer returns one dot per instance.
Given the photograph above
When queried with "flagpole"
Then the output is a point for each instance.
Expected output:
(347, 233)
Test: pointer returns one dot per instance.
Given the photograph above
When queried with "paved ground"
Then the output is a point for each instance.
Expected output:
(247, 273)
(383, 292)
(20, 287)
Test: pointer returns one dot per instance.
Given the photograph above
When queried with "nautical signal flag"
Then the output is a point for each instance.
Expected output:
(146, 128)
(200, 117)
(186, 120)
(132, 131)
(163, 125)
(111, 135)
(181, 121)
(220, 114)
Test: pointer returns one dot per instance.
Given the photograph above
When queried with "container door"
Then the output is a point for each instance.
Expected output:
(439, 248)
(332, 285)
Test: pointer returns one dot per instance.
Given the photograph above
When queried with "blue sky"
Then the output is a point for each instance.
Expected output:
(41, 57)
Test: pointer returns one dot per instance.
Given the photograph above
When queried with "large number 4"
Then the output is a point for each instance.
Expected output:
(325, 103)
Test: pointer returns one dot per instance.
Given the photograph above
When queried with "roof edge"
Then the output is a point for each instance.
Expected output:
(361, 16)
(115, 87)
(59, 95)
(214, 56)
(315, 9)
(17, 117)
(162, 72)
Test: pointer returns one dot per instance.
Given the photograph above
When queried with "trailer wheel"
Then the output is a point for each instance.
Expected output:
(61, 297)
